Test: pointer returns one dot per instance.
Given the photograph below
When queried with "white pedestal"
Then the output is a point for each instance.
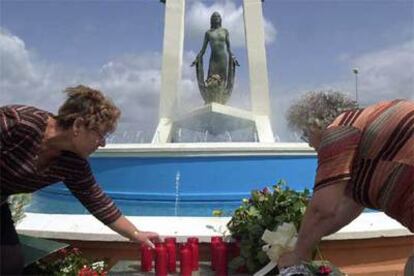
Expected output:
(216, 119)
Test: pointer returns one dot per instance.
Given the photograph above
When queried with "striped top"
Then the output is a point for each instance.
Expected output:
(372, 149)
(22, 130)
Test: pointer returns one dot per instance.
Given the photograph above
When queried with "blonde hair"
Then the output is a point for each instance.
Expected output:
(91, 105)
(317, 109)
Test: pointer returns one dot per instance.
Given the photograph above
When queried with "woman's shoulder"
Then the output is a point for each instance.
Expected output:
(23, 112)
(25, 116)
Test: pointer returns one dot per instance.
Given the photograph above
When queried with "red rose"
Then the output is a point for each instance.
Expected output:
(324, 270)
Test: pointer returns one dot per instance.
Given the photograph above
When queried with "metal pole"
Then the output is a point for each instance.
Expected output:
(355, 71)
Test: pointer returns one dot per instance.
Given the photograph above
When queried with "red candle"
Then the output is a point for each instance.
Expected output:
(221, 259)
(170, 240)
(233, 252)
(185, 260)
(161, 260)
(193, 241)
(146, 258)
(213, 245)
(172, 258)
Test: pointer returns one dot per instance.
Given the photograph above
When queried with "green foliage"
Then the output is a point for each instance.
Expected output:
(265, 209)
(17, 205)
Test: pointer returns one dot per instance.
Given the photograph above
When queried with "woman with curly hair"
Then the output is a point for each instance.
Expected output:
(365, 159)
(39, 149)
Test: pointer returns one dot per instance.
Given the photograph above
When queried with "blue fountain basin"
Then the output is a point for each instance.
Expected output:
(186, 179)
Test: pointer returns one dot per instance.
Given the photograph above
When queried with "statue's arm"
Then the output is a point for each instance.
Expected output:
(202, 51)
(229, 49)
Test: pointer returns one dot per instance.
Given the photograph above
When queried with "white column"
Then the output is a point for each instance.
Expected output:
(256, 54)
(171, 66)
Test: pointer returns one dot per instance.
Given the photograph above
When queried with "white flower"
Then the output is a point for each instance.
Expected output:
(279, 241)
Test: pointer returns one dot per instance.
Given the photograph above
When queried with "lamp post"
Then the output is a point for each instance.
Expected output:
(356, 71)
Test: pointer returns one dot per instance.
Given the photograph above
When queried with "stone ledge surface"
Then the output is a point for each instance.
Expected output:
(88, 228)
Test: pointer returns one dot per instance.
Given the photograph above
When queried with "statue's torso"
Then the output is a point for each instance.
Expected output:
(217, 38)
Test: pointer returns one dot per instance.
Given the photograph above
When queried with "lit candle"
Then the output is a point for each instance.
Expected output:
(193, 241)
(146, 258)
(161, 260)
(185, 260)
(221, 259)
(170, 243)
(213, 245)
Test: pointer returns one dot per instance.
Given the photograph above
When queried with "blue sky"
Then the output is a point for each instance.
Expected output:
(116, 46)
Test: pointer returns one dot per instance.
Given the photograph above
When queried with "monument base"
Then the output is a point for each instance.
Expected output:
(215, 119)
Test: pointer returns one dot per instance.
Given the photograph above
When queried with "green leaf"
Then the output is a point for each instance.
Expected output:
(237, 262)
(262, 257)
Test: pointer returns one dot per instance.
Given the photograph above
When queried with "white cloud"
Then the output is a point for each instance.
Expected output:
(386, 74)
(132, 81)
(198, 22)
(22, 80)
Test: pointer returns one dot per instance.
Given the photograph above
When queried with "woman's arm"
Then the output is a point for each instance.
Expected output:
(81, 182)
(125, 228)
(329, 210)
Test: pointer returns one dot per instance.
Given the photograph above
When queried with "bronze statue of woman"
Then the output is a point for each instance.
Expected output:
(221, 70)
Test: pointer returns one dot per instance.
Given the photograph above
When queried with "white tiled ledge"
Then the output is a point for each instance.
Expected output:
(205, 149)
(86, 227)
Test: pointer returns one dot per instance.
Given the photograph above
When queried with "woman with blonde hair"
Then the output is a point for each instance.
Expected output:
(39, 149)
(365, 159)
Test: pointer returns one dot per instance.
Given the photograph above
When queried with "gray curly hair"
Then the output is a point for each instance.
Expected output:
(317, 109)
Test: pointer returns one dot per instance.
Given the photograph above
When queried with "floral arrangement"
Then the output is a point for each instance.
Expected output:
(323, 268)
(71, 262)
(265, 209)
(265, 226)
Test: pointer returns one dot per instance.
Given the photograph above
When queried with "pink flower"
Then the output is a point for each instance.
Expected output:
(266, 191)
(76, 251)
(324, 270)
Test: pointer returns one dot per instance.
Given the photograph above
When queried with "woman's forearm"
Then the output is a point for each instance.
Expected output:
(124, 227)
(324, 216)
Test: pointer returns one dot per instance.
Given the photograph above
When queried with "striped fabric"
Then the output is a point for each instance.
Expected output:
(373, 150)
(22, 129)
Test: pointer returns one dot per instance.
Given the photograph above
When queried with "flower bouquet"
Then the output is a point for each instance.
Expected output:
(70, 262)
(265, 226)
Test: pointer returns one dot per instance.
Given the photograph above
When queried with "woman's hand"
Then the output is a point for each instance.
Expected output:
(288, 259)
(146, 237)
(125, 228)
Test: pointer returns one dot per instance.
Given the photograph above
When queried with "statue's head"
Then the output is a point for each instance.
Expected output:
(215, 20)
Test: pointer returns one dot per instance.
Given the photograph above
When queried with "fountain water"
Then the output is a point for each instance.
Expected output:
(177, 190)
